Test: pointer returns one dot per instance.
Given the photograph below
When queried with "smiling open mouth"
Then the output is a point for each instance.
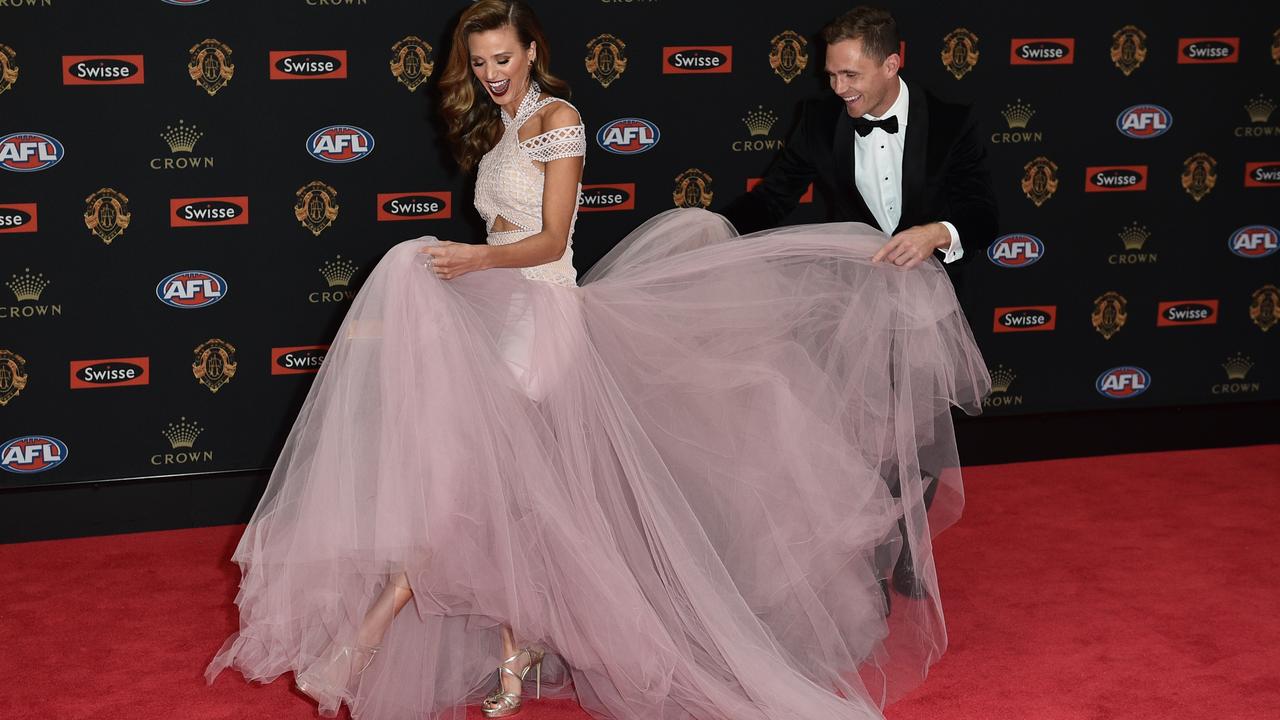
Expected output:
(499, 88)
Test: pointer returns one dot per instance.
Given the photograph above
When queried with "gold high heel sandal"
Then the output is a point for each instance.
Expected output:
(316, 681)
(502, 704)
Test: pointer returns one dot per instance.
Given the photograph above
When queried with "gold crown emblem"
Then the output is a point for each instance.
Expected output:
(182, 138)
(760, 121)
(338, 271)
(182, 433)
(1260, 108)
(1018, 114)
(1237, 366)
(1134, 236)
(1001, 378)
(27, 286)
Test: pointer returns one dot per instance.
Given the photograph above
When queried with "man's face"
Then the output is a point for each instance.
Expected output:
(866, 86)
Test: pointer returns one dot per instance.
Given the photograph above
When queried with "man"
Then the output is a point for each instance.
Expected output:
(891, 154)
(895, 157)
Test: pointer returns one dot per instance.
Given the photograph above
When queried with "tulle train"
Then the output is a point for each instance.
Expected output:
(686, 479)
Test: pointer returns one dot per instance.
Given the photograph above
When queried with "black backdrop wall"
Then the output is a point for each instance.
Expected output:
(191, 192)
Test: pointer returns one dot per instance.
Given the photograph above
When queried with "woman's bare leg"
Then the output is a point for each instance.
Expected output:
(395, 595)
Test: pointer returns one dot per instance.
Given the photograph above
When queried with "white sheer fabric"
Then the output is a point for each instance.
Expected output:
(509, 185)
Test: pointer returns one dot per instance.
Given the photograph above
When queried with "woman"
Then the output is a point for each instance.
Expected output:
(659, 492)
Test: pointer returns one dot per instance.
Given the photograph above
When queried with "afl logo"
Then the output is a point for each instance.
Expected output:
(1123, 382)
(1016, 250)
(1254, 241)
(191, 289)
(628, 136)
(1144, 121)
(340, 144)
(32, 454)
(29, 152)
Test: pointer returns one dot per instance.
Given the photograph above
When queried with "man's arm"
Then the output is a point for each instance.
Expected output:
(779, 192)
(971, 200)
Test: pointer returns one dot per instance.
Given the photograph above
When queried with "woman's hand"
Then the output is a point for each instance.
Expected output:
(450, 259)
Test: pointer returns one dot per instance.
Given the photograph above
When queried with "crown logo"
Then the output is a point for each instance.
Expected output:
(182, 138)
(760, 121)
(1134, 236)
(1001, 378)
(1260, 108)
(1018, 114)
(27, 286)
(182, 433)
(1237, 366)
(338, 271)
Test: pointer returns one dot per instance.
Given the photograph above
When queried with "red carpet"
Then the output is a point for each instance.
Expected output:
(1131, 587)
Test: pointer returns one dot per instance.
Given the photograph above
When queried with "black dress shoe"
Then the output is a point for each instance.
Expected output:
(905, 579)
(888, 603)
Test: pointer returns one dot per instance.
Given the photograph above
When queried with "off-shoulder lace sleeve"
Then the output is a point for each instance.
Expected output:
(568, 141)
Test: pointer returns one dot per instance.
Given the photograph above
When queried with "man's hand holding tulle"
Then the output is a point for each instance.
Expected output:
(913, 245)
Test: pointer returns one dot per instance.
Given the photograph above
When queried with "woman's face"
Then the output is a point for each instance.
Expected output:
(502, 64)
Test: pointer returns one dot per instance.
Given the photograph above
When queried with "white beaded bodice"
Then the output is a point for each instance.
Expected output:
(509, 184)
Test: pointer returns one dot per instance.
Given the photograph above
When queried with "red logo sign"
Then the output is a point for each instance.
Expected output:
(1208, 50)
(415, 206)
(1262, 174)
(604, 197)
(102, 70)
(1187, 312)
(1042, 51)
(200, 212)
(1115, 178)
(1026, 318)
(111, 372)
(297, 360)
(307, 64)
(18, 217)
(687, 59)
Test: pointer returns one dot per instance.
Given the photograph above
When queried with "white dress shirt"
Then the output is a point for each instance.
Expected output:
(878, 173)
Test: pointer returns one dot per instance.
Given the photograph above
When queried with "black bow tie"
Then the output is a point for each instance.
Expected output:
(863, 126)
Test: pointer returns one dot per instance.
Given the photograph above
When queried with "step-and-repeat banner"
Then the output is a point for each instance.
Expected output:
(192, 190)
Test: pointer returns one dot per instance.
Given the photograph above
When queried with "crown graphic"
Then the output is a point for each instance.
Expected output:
(182, 433)
(182, 138)
(1237, 366)
(27, 286)
(1001, 378)
(760, 121)
(1134, 236)
(1260, 108)
(338, 271)
(1018, 114)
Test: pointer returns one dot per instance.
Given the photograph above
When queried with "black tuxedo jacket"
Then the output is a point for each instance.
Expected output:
(944, 173)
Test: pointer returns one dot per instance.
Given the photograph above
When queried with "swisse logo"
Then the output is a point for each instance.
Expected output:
(1042, 51)
(32, 454)
(1208, 50)
(307, 64)
(297, 360)
(628, 136)
(697, 59)
(1016, 250)
(29, 152)
(415, 206)
(1026, 318)
(112, 372)
(191, 289)
(605, 197)
(1123, 382)
(340, 144)
(1144, 121)
(806, 197)
(1115, 178)
(18, 218)
(1259, 174)
(200, 212)
(1187, 312)
(102, 70)
(1254, 241)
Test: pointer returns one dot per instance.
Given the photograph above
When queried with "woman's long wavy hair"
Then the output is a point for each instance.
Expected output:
(472, 119)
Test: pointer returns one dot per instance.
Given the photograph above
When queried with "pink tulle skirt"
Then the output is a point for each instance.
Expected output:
(685, 479)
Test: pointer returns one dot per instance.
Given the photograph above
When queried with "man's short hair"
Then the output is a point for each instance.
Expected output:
(875, 26)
